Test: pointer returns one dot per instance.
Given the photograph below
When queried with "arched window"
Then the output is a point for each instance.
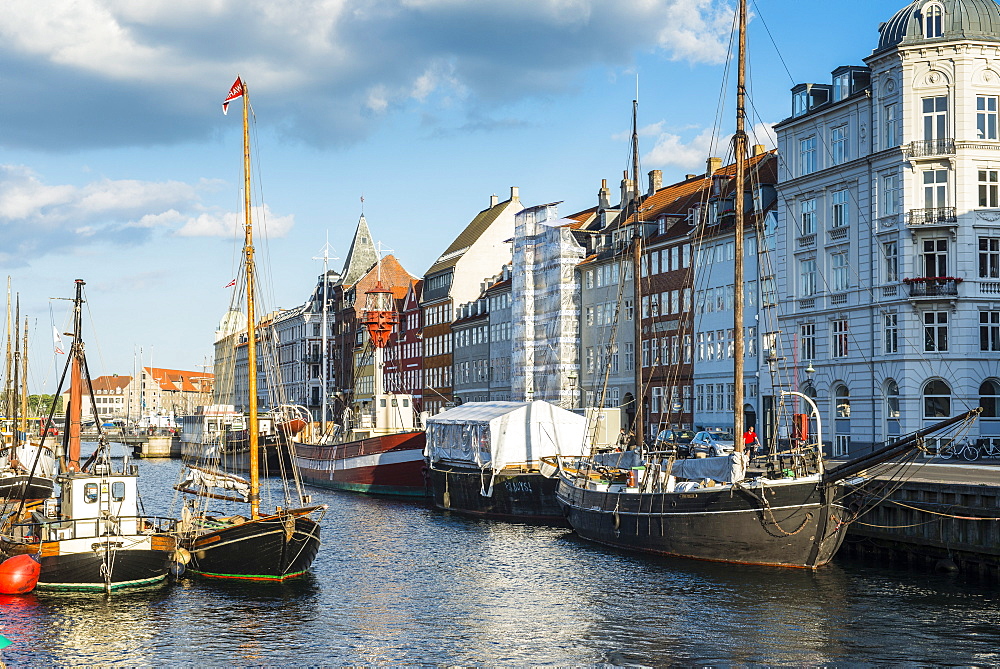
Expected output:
(989, 398)
(843, 401)
(933, 14)
(809, 390)
(937, 399)
(891, 399)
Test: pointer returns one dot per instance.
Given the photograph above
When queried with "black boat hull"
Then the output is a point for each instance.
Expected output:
(85, 571)
(270, 548)
(518, 496)
(802, 523)
(18, 486)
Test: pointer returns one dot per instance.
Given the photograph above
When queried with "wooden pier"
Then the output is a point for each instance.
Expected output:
(941, 516)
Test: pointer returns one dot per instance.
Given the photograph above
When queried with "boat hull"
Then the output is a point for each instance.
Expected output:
(802, 524)
(270, 548)
(21, 486)
(391, 464)
(518, 496)
(81, 564)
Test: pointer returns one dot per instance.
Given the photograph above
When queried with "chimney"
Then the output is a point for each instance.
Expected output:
(626, 189)
(688, 177)
(712, 164)
(494, 201)
(655, 181)
(514, 194)
(759, 149)
(604, 196)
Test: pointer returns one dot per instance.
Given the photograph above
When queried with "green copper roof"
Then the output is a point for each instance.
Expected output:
(961, 19)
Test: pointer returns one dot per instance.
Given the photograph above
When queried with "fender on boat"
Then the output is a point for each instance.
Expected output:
(19, 574)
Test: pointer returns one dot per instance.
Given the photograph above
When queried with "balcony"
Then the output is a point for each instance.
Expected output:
(933, 286)
(935, 216)
(929, 147)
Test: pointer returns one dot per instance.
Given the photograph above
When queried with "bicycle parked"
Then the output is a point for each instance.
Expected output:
(983, 448)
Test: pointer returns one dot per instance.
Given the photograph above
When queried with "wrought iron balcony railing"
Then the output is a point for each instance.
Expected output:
(932, 286)
(930, 147)
(935, 216)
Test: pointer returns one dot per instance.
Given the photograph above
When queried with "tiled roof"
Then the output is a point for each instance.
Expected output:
(179, 380)
(472, 232)
(107, 385)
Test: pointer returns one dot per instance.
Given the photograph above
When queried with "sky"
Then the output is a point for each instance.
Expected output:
(118, 167)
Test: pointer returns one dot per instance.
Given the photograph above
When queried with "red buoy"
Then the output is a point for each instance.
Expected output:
(19, 575)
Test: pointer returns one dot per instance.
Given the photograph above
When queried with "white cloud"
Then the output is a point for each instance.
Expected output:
(672, 149)
(230, 224)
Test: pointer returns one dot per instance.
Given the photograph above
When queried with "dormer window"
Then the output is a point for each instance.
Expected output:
(933, 14)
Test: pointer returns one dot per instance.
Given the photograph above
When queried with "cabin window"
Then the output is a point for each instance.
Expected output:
(90, 492)
(118, 491)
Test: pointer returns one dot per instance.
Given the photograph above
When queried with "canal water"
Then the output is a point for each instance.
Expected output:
(400, 583)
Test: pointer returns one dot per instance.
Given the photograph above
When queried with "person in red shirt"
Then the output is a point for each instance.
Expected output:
(750, 441)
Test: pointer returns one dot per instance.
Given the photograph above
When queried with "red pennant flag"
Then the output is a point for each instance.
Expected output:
(230, 284)
(234, 93)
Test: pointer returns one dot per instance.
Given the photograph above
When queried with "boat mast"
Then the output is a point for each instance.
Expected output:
(74, 411)
(636, 272)
(324, 370)
(253, 427)
(24, 382)
(7, 390)
(739, 149)
(14, 400)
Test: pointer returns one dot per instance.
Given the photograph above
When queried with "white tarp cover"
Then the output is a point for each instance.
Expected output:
(724, 468)
(495, 435)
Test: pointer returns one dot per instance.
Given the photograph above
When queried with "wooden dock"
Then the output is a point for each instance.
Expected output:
(941, 516)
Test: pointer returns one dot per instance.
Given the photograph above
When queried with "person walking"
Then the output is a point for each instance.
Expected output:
(750, 441)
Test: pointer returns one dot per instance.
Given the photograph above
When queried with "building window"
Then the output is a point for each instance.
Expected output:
(937, 399)
(935, 113)
(807, 341)
(838, 142)
(890, 253)
(840, 215)
(891, 331)
(629, 356)
(808, 216)
(935, 189)
(842, 398)
(988, 188)
(768, 291)
(989, 257)
(932, 21)
(891, 126)
(989, 393)
(840, 338)
(807, 277)
(890, 194)
(935, 331)
(891, 399)
(935, 256)
(986, 116)
(807, 155)
(840, 278)
(989, 330)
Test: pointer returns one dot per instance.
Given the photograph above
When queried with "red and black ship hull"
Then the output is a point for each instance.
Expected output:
(391, 464)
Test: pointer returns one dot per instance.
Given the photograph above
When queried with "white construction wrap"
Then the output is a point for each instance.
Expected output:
(495, 435)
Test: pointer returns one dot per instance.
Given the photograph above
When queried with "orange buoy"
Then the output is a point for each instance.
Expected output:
(294, 426)
(19, 575)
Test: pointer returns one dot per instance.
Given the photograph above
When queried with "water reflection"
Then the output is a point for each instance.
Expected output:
(400, 583)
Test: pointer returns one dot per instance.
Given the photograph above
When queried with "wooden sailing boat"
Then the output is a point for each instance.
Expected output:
(92, 535)
(270, 546)
(795, 517)
(26, 467)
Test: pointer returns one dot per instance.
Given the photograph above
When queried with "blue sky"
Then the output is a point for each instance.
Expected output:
(118, 167)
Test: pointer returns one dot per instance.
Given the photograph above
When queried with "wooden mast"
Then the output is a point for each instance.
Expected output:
(74, 411)
(638, 426)
(253, 427)
(740, 150)
(24, 382)
(14, 403)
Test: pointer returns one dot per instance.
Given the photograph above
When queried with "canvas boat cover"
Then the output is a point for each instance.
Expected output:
(495, 435)
(724, 468)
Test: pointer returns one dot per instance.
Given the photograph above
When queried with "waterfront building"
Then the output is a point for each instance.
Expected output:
(404, 352)
(481, 249)
(471, 356)
(888, 239)
(715, 294)
(498, 298)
